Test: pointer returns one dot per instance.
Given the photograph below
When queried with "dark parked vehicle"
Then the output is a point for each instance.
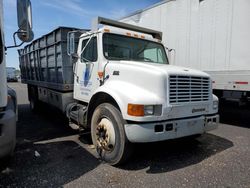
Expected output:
(11, 74)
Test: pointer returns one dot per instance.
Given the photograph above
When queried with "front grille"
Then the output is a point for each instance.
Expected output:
(188, 89)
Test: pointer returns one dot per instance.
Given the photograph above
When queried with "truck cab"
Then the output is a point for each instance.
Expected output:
(122, 74)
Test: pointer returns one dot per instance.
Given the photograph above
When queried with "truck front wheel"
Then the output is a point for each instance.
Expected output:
(108, 134)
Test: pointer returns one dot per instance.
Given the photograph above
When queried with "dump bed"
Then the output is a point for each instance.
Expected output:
(45, 61)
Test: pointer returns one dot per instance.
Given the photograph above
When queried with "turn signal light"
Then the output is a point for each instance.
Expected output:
(135, 110)
(100, 74)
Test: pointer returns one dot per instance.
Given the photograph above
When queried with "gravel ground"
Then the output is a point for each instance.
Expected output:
(50, 154)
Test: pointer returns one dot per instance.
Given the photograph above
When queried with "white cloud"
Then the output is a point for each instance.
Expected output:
(117, 14)
(73, 7)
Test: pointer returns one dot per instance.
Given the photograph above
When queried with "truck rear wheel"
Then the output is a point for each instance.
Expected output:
(33, 104)
(108, 134)
(33, 97)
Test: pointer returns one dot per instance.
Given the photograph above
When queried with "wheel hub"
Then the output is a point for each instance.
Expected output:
(105, 135)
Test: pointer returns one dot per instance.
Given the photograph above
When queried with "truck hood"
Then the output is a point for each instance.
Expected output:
(149, 77)
(149, 83)
(165, 68)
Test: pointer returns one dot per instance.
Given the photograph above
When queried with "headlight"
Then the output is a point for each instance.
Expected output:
(215, 105)
(144, 110)
(148, 110)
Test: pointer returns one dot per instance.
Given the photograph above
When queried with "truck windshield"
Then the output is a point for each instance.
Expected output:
(119, 47)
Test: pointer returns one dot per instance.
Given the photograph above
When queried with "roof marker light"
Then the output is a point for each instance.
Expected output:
(106, 30)
(135, 35)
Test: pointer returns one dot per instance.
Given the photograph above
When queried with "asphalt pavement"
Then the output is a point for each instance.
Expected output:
(50, 154)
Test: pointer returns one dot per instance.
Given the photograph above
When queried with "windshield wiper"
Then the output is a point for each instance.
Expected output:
(145, 58)
(118, 58)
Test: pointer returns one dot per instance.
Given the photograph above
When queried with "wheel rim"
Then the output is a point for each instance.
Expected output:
(105, 133)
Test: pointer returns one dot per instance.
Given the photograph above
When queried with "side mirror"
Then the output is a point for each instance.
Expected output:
(71, 48)
(24, 17)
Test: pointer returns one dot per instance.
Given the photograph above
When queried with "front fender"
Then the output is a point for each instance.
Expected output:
(125, 93)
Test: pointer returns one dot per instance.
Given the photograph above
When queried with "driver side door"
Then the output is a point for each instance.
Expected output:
(86, 69)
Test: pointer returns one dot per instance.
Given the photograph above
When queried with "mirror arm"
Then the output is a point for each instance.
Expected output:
(169, 53)
(14, 38)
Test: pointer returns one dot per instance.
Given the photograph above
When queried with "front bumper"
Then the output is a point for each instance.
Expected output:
(7, 132)
(159, 131)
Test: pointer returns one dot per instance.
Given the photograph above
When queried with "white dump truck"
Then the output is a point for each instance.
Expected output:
(116, 81)
(208, 35)
(8, 100)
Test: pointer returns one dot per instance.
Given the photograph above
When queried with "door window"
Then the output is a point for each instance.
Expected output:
(90, 52)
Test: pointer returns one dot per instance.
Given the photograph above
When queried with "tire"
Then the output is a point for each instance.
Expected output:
(33, 105)
(116, 149)
(33, 98)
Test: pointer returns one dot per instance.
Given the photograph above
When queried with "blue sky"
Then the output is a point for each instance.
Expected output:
(49, 14)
